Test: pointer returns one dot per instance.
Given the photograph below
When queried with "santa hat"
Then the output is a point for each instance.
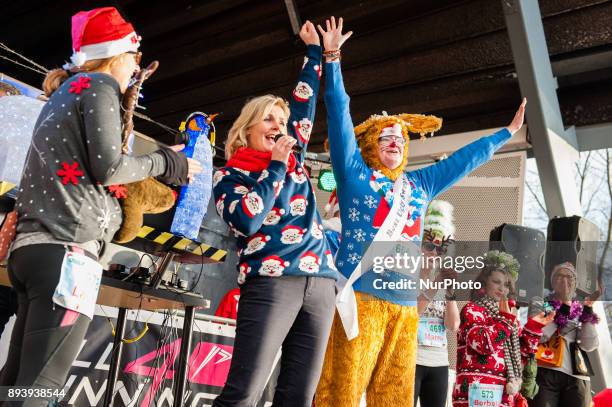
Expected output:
(261, 236)
(439, 221)
(100, 33)
(292, 227)
(311, 254)
(278, 211)
(297, 198)
(332, 207)
(275, 258)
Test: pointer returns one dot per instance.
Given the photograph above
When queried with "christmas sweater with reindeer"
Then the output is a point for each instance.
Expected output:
(365, 196)
(480, 349)
(74, 154)
(272, 211)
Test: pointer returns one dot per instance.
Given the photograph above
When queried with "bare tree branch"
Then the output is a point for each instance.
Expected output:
(537, 199)
(583, 174)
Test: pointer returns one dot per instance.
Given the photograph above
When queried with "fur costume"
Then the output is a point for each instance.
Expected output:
(381, 360)
(146, 196)
(387, 381)
(367, 134)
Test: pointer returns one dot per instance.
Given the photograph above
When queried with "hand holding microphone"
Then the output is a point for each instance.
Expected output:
(282, 148)
(296, 148)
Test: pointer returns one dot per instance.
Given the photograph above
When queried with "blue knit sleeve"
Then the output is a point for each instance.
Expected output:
(438, 177)
(303, 101)
(342, 144)
(242, 201)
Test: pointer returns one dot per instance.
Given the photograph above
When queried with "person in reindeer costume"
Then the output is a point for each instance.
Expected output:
(372, 345)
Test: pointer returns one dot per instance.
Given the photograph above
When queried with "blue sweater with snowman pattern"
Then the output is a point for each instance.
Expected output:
(365, 195)
(273, 212)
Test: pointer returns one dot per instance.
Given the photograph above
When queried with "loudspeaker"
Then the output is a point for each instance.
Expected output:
(527, 245)
(574, 239)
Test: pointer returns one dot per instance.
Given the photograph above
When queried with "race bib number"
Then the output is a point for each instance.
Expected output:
(79, 284)
(485, 395)
(431, 332)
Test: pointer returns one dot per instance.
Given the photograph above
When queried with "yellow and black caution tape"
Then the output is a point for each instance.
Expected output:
(180, 243)
(5, 186)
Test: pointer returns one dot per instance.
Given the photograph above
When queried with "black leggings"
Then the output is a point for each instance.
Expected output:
(46, 338)
(8, 305)
(558, 389)
(295, 312)
(431, 386)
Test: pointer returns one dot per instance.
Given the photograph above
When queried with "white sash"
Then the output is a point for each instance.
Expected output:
(390, 231)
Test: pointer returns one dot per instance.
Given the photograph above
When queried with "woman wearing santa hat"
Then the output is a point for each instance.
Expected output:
(66, 211)
(286, 276)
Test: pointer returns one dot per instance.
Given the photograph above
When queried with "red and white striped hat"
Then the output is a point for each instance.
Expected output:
(100, 33)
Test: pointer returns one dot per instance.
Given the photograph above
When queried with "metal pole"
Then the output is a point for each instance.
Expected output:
(554, 147)
(113, 371)
(179, 390)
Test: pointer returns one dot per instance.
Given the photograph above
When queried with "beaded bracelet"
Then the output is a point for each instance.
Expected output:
(332, 55)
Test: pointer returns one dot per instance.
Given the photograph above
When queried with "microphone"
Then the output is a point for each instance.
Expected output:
(296, 147)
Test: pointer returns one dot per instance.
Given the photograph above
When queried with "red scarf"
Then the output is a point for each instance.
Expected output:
(249, 159)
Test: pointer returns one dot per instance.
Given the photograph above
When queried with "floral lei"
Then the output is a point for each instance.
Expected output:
(576, 311)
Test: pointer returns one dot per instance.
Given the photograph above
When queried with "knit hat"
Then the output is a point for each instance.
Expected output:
(368, 133)
(100, 33)
(438, 224)
(567, 266)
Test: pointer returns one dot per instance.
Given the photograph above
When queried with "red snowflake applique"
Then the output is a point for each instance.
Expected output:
(69, 173)
(80, 84)
(118, 191)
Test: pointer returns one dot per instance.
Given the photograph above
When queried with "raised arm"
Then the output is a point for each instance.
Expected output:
(342, 144)
(303, 101)
(438, 177)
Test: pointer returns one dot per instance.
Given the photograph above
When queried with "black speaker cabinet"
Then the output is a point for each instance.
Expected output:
(574, 239)
(527, 245)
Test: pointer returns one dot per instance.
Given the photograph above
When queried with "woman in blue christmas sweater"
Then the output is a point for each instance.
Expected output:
(375, 353)
(286, 271)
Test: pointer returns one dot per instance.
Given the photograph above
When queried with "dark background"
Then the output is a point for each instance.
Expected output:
(450, 58)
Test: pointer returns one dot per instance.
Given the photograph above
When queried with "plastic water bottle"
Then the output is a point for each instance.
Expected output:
(193, 199)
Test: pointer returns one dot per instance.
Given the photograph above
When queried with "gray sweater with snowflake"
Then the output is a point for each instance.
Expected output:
(74, 155)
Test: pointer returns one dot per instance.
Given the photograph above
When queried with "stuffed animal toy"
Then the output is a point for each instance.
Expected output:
(148, 196)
